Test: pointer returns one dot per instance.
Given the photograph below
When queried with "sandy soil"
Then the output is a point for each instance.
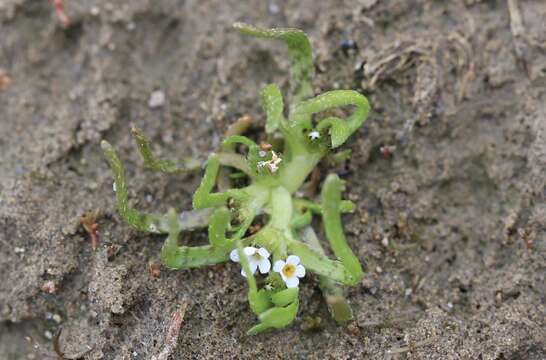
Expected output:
(450, 225)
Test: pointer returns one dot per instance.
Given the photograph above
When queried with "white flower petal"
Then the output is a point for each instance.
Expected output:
(234, 255)
(279, 264)
(264, 266)
(292, 282)
(263, 253)
(253, 264)
(253, 267)
(293, 259)
(300, 271)
(249, 250)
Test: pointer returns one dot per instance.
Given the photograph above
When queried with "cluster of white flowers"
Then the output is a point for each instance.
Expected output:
(258, 258)
(273, 164)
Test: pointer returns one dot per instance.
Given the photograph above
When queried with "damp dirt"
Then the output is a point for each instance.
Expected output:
(448, 175)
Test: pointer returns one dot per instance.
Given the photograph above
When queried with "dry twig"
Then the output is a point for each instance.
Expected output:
(59, 9)
(171, 338)
(89, 223)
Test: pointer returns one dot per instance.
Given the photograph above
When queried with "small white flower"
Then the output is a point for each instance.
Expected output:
(275, 159)
(114, 186)
(273, 164)
(314, 135)
(157, 99)
(262, 153)
(258, 258)
(272, 167)
(290, 271)
(153, 228)
(19, 250)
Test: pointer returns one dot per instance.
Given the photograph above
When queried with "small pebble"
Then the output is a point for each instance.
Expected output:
(387, 151)
(353, 329)
(4, 80)
(154, 270)
(378, 269)
(498, 296)
(49, 287)
(19, 250)
(385, 241)
(395, 186)
(48, 334)
(273, 8)
(95, 11)
(367, 282)
(57, 318)
(348, 45)
(157, 99)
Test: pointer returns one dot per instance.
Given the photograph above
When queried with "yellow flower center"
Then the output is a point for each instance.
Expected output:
(288, 270)
(256, 256)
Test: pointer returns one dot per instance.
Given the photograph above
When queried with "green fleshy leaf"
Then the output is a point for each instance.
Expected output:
(273, 106)
(259, 301)
(157, 164)
(340, 129)
(300, 55)
(285, 297)
(276, 317)
(139, 220)
(331, 215)
(219, 223)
